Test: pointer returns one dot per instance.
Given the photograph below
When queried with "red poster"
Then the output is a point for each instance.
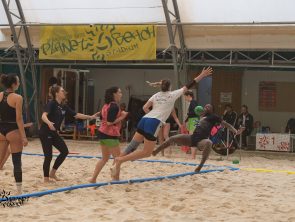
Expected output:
(267, 95)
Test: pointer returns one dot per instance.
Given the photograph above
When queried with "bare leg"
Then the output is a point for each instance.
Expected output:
(16, 146)
(204, 145)
(166, 131)
(4, 151)
(180, 140)
(193, 149)
(161, 137)
(15, 141)
(194, 152)
(116, 153)
(101, 163)
(52, 175)
(138, 154)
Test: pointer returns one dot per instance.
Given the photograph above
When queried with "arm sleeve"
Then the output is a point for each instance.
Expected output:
(69, 111)
(112, 112)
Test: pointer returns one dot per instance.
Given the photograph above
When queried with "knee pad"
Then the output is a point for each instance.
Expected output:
(132, 146)
(16, 160)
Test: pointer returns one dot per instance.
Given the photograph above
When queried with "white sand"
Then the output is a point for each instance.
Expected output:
(226, 196)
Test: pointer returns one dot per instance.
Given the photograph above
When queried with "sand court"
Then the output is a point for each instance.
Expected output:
(241, 195)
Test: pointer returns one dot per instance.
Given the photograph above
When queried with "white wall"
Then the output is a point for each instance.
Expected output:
(250, 95)
(89, 11)
(144, 11)
(236, 11)
(105, 78)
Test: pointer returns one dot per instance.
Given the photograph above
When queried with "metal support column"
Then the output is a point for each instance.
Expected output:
(25, 58)
(31, 61)
(179, 55)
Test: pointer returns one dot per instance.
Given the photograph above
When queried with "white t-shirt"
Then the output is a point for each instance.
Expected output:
(163, 104)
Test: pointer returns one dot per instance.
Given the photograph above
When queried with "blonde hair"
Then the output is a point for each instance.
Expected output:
(154, 84)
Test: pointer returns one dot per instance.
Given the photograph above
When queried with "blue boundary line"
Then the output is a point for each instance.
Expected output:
(144, 160)
(101, 184)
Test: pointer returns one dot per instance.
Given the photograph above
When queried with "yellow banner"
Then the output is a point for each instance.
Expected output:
(98, 42)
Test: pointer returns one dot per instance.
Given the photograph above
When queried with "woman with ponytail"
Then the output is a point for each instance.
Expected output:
(12, 132)
(162, 104)
(52, 117)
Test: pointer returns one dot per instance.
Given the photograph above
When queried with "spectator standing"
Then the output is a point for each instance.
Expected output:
(245, 119)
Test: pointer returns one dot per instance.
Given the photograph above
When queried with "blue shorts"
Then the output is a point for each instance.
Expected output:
(149, 128)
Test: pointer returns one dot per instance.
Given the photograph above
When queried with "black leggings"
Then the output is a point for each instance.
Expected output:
(48, 140)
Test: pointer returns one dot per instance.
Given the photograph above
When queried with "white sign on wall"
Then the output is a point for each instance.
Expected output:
(273, 142)
(226, 97)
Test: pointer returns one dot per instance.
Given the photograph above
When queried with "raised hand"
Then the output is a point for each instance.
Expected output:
(206, 71)
(153, 84)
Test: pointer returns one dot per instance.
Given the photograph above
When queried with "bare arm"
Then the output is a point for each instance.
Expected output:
(47, 121)
(229, 126)
(85, 117)
(27, 125)
(119, 119)
(154, 84)
(175, 117)
(44, 118)
(19, 119)
(147, 106)
(205, 72)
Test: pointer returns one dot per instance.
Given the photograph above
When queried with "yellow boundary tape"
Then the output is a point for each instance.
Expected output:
(261, 170)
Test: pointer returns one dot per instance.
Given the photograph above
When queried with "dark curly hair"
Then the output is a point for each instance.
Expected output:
(109, 94)
(245, 106)
(8, 80)
(189, 93)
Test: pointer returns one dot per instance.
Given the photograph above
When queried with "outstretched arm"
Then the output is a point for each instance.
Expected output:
(232, 129)
(154, 84)
(229, 126)
(119, 119)
(205, 72)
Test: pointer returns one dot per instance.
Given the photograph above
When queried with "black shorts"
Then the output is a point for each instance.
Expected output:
(196, 138)
(6, 128)
(103, 136)
(170, 120)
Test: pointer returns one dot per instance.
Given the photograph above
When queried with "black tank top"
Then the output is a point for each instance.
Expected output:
(7, 113)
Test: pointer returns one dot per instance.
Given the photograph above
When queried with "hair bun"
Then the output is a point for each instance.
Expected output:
(8, 80)
(3, 78)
